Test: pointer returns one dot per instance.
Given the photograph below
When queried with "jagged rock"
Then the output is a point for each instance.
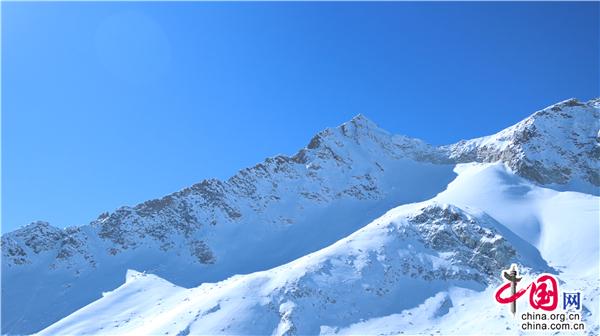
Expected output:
(556, 145)
(353, 166)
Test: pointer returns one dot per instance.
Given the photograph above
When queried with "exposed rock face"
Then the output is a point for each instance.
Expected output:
(447, 229)
(437, 244)
(13, 252)
(258, 189)
(413, 253)
(556, 145)
(215, 229)
(356, 166)
(40, 236)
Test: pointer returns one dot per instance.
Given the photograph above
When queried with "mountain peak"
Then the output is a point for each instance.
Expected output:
(359, 130)
(360, 122)
(554, 146)
(361, 119)
(39, 226)
(345, 176)
(571, 102)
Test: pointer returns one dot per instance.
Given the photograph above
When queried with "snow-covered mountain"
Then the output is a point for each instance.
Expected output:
(556, 146)
(422, 268)
(283, 210)
(395, 263)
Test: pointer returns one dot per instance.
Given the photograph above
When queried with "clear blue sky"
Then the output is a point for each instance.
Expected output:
(110, 104)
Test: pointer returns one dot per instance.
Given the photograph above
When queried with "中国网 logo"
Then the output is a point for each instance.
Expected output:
(543, 313)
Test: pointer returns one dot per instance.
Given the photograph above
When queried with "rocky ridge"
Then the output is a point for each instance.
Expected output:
(355, 163)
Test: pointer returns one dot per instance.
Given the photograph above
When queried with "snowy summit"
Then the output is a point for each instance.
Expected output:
(360, 232)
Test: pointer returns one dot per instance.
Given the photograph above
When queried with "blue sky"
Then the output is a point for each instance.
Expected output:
(110, 104)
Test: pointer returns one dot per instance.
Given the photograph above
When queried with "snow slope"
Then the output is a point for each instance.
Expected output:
(260, 218)
(556, 146)
(546, 218)
(425, 267)
(288, 207)
(413, 254)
